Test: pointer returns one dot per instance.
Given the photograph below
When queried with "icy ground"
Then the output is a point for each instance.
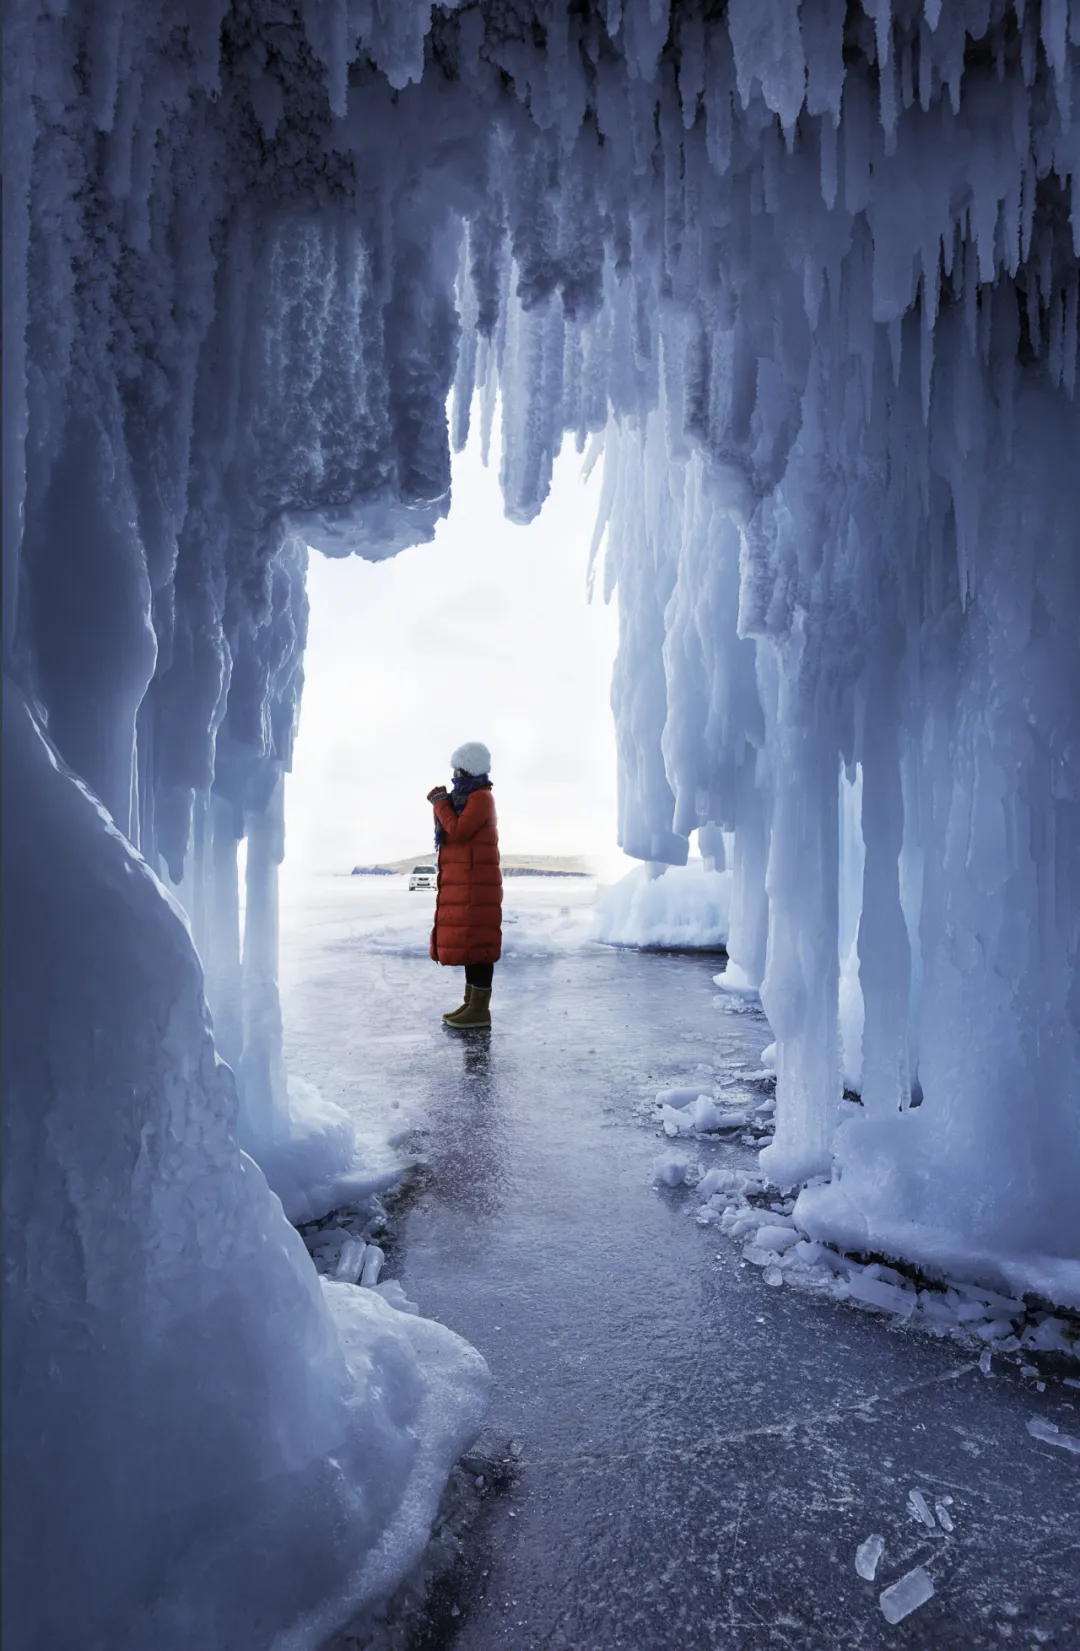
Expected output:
(697, 1454)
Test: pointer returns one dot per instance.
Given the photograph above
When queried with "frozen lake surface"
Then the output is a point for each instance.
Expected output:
(696, 1457)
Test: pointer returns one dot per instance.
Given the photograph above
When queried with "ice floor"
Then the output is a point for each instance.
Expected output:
(696, 1456)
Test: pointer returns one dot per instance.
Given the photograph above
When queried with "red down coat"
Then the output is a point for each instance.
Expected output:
(468, 906)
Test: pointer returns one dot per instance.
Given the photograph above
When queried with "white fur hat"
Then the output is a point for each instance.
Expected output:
(473, 757)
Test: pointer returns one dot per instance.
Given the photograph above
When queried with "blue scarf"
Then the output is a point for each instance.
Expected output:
(463, 788)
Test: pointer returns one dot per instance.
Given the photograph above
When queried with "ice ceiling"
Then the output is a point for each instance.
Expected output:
(813, 272)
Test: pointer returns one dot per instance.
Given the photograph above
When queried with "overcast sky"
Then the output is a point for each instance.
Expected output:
(484, 634)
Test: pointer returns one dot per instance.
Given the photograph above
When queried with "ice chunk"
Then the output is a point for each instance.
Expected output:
(679, 1098)
(373, 1261)
(1049, 1336)
(776, 1237)
(901, 1598)
(917, 1504)
(868, 1556)
(1051, 1434)
(671, 1171)
(997, 1330)
(879, 1294)
(718, 1180)
(350, 1262)
(759, 1258)
(706, 1113)
(708, 1116)
(393, 1293)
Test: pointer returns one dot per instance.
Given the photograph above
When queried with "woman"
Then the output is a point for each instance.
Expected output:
(468, 905)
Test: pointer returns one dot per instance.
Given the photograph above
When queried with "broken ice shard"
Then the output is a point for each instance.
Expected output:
(868, 1556)
(352, 1258)
(901, 1598)
(1051, 1434)
(879, 1294)
(917, 1504)
(372, 1265)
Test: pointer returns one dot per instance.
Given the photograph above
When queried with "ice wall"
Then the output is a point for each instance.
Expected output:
(813, 270)
(203, 1444)
(828, 296)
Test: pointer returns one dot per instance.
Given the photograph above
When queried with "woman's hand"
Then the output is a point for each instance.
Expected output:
(437, 792)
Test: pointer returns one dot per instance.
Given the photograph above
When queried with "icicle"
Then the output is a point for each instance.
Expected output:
(927, 321)
(1057, 336)
(828, 153)
(896, 340)
(926, 66)
(1069, 341)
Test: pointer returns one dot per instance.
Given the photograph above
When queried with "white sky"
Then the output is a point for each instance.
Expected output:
(484, 634)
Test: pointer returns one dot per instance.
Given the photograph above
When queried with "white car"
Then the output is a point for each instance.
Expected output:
(422, 877)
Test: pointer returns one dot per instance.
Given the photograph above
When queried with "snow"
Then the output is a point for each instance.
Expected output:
(666, 906)
(806, 279)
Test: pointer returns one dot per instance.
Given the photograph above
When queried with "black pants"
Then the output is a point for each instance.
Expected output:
(479, 975)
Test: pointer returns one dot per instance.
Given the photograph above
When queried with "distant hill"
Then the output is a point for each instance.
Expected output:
(513, 865)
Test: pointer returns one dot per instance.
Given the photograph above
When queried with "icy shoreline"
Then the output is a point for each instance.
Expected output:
(781, 1233)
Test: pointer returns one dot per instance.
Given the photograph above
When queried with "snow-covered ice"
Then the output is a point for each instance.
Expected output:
(666, 906)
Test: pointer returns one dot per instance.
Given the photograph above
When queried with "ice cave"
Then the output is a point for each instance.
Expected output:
(804, 276)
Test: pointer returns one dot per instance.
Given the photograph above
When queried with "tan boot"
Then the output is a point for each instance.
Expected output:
(452, 1016)
(477, 1012)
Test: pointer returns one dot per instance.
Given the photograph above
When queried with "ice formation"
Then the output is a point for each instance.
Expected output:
(658, 905)
(808, 274)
